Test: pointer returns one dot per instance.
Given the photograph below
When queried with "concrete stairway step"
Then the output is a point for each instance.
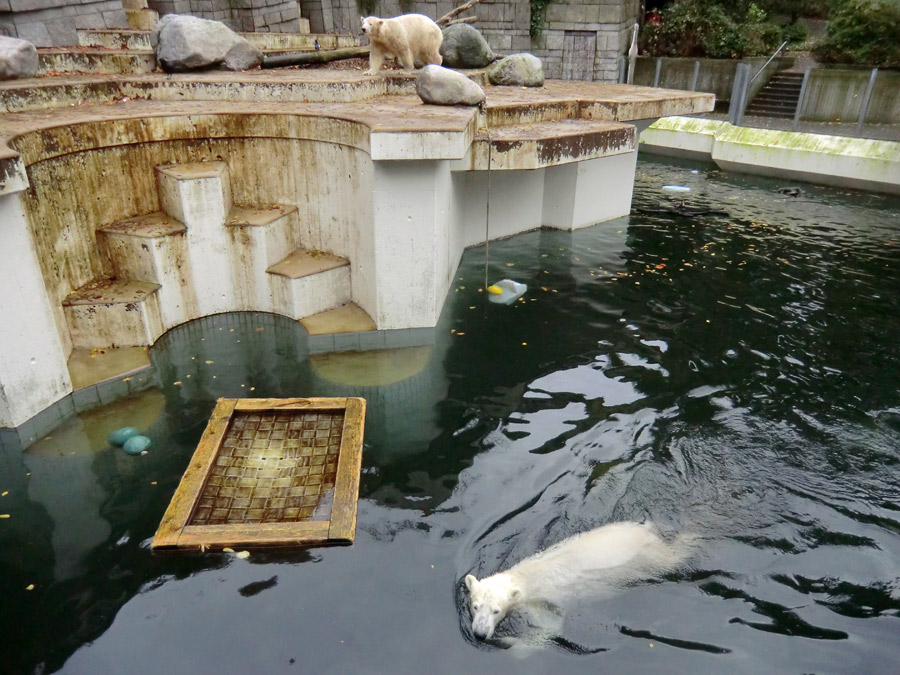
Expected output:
(153, 247)
(533, 146)
(348, 318)
(96, 61)
(114, 39)
(309, 282)
(113, 313)
(257, 238)
(140, 39)
(779, 97)
(197, 194)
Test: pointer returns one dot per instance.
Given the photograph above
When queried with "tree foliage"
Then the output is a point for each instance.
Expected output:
(705, 28)
(863, 32)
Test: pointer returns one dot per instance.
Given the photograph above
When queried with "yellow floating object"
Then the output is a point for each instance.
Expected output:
(510, 291)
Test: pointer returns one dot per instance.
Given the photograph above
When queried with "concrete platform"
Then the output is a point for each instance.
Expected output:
(254, 165)
(346, 319)
(865, 164)
(303, 263)
(91, 366)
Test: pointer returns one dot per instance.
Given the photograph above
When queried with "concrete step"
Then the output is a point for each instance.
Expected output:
(96, 61)
(769, 113)
(779, 97)
(140, 39)
(775, 104)
(113, 313)
(783, 89)
(310, 282)
(153, 248)
(348, 318)
(259, 238)
(197, 194)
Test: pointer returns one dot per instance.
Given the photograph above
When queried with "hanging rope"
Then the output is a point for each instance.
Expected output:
(487, 216)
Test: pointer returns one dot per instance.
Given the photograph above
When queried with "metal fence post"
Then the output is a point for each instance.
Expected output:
(658, 71)
(623, 69)
(739, 94)
(867, 97)
(695, 75)
(801, 99)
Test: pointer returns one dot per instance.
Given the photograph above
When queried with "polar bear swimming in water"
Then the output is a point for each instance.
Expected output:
(608, 557)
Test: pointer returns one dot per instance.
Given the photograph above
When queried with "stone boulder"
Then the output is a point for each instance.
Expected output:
(184, 43)
(465, 47)
(18, 59)
(523, 70)
(441, 86)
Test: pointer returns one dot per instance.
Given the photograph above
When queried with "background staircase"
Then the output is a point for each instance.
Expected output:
(779, 97)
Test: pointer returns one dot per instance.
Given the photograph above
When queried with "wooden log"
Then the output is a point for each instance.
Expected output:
(306, 58)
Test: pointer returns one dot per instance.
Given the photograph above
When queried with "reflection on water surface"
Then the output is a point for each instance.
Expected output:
(734, 376)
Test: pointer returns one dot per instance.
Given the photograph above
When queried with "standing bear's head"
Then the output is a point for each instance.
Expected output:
(371, 25)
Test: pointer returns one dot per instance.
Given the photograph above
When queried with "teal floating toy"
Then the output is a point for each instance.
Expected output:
(136, 445)
(119, 436)
(506, 291)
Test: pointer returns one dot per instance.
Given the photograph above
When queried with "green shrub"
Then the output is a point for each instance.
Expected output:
(863, 32)
(704, 28)
(796, 34)
(538, 14)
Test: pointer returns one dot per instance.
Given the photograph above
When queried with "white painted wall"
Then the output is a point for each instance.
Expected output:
(33, 373)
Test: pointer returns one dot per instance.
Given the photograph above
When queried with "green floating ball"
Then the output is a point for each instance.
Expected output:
(136, 445)
(119, 436)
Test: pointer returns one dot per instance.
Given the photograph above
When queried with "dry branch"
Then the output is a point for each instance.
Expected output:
(465, 19)
(445, 20)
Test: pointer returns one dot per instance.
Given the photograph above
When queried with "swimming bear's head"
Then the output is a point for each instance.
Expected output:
(489, 602)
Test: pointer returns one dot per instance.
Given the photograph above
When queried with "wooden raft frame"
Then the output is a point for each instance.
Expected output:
(175, 532)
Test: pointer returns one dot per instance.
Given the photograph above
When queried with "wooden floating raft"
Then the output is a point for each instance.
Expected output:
(270, 472)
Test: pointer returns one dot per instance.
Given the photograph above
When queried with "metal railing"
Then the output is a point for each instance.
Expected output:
(771, 58)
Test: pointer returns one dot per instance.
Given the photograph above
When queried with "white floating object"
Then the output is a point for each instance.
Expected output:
(506, 291)
(676, 188)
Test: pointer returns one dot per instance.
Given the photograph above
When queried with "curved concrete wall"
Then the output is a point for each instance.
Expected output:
(73, 194)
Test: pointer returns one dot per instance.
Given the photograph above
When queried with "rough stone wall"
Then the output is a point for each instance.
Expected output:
(280, 16)
(53, 23)
(582, 39)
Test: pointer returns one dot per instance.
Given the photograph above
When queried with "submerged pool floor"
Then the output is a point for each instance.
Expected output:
(730, 376)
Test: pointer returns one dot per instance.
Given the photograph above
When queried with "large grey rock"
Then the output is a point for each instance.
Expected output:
(523, 70)
(18, 59)
(442, 86)
(465, 47)
(183, 43)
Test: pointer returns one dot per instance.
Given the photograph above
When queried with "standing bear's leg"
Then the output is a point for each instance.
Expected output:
(406, 59)
(376, 59)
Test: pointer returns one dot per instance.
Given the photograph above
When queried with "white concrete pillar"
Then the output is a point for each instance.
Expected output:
(412, 259)
(199, 195)
(579, 194)
(33, 371)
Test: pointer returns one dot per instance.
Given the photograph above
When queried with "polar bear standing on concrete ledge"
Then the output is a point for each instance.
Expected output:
(597, 561)
(408, 38)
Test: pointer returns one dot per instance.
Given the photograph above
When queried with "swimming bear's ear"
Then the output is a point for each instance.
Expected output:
(471, 582)
(515, 594)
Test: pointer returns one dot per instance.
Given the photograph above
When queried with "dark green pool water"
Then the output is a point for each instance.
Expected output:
(736, 377)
